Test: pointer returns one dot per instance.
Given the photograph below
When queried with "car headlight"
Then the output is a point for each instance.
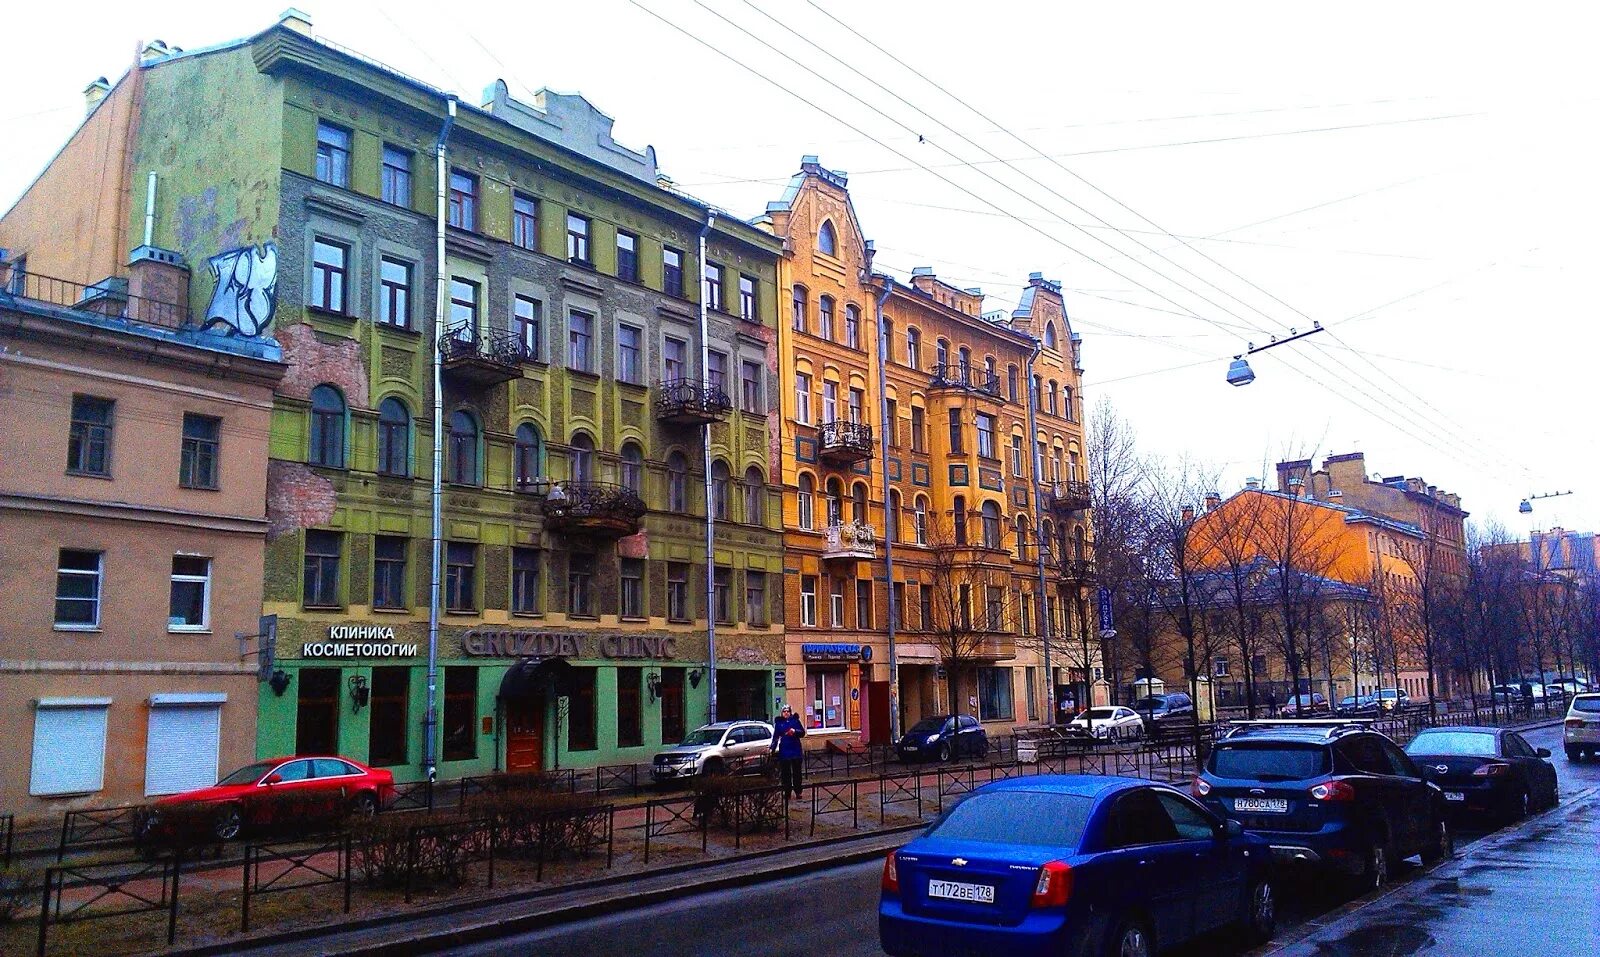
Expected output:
(932, 738)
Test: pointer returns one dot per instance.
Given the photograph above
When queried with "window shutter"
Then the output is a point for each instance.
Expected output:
(181, 751)
(69, 746)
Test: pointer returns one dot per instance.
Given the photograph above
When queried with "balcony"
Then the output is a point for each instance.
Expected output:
(850, 541)
(691, 402)
(1078, 571)
(599, 509)
(844, 443)
(481, 357)
(1069, 496)
(956, 376)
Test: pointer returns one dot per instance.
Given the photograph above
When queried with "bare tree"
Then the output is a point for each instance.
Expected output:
(970, 575)
(1229, 543)
(1173, 492)
(1301, 540)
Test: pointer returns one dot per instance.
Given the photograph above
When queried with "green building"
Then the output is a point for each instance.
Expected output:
(576, 402)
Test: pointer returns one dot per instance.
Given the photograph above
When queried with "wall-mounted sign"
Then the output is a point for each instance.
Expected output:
(830, 651)
(780, 678)
(359, 641)
(509, 643)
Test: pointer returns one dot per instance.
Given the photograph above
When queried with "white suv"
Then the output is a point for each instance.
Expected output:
(1581, 732)
(737, 747)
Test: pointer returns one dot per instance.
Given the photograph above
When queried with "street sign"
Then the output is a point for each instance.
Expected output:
(266, 646)
(780, 678)
(1103, 597)
(938, 672)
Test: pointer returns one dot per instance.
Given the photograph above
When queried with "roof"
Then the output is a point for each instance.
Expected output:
(1263, 585)
(1082, 785)
(1352, 514)
(1295, 733)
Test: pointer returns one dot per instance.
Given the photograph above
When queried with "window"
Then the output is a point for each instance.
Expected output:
(986, 446)
(955, 431)
(717, 370)
(630, 354)
(941, 356)
(580, 339)
(671, 271)
(395, 176)
(925, 607)
(89, 439)
(802, 397)
(1030, 681)
(527, 591)
(799, 323)
(631, 592)
(857, 400)
(713, 276)
(891, 422)
(863, 603)
(464, 306)
(754, 497)
(919, 429)
(919, 520)
(577, 239)
(899, 598)
(747, 298)
(190, 606)
(327, 427)
(858, 503)
(806, 500)
(333, 155)
(69, 746)
(390, 729)
(463, 213)
(461, 577)
(852, 327)
(529, 452)
(914, 348)
(627, 256)
(1050, 397)
(632, 466)
(394, 293)
(1025, 613)
(825, 695)
(825, 317)
(1219, 667)
(580, 585)
(78, 575)
(994, 607)
(830, 402)
(991, 526)
(719, 489)
(677, 483)
(1022, 537)
(1016, 455)
(581, 716)
(722, 594)
(1066, 402)
(630, 726)
(460, 732)
(808, 600)
(827, 240)
(581, 459)
(958, 514)
(752, 397)
(329, 272)
(1049, 335)
(835, 501)
(389, 572)
(320, 587)
(755, 598)
(891, 520)
(1011, 387)
(677, 591)
(836, 602)
(527, 324)
(524, 221)
(462, 468)
(994, 694)
(674, 360)
(965, 364)
(197, 466)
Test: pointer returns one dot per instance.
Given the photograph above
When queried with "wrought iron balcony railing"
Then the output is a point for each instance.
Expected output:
(952, 375)
(593, 508)
(1076, 569)
(1069, 496)
(850, 540)
(484, 357)
(844, 443)
(691, 402)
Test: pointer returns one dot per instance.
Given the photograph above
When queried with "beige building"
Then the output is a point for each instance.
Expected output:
(132, 522)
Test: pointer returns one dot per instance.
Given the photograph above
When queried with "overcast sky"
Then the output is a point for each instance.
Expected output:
(1419, 178)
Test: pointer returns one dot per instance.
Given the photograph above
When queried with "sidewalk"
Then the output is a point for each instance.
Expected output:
(1527, 889)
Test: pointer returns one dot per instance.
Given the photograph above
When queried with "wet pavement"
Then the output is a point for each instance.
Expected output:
(1532, 888)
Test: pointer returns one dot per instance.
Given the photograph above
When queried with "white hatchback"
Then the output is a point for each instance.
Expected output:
(1581, 730)
(1110, 724)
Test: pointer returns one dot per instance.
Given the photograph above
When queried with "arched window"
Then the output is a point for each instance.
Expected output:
(755, 496)
(1050, 397)
(806, 499)
(965, 359)
(582, 458)
(799, 309)
(891, 521)
(462, 467)
(852, 326)
(1022, 537)
(1072, 466)
(632, 466)
(941, 355)
(914, 348)
(858, 503)
(1047, 534)
(1066, 403)
(327, 427)
(720, 488)
(827, 239)
(1049, 335)
(677, 483)
(1079, 550)
(919, 520)
(835, 502)
(825, 317)
(959, 516)
(1055, 464)
(989, 369)
(991, 526)
(394, 437)
(529, 455)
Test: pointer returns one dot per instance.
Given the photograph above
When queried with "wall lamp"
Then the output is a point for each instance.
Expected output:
(360, 694)
(279, 682)
(694, 677)
(652, 681)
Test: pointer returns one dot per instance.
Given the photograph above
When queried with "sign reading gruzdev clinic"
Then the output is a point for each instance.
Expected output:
(510, 643)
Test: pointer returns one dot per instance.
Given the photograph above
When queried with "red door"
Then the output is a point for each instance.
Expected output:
(524, 733)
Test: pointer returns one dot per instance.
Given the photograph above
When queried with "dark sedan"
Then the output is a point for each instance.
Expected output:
(943, 737)
(1489, 771)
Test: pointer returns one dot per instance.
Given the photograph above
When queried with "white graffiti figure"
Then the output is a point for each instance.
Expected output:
(247, 289)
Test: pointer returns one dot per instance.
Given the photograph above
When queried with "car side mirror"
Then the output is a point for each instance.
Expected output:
(1543, 752)
(1232, 828)
(273, 779)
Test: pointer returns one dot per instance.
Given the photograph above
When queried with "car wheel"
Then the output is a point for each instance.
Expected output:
(228, 824)
(1573, 754)
(713, 767)
(945, 754)
(983, 747)
(1261, 912)
(1444, 845)
(1131, 939)
(365, 807)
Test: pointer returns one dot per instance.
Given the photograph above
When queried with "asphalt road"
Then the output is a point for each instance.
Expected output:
(834, 911)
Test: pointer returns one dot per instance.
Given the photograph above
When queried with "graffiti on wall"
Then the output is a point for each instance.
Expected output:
(247, 290)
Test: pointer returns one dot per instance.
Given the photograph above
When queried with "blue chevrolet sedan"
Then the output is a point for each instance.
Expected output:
(1084, 865)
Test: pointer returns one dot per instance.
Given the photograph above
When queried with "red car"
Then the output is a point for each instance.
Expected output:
(247, 796)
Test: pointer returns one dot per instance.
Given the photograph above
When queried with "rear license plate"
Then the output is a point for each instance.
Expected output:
(1273, 805)
(957, 891)
(1454, 796)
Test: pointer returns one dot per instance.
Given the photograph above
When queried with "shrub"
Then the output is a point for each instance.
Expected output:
(520, 817)
(19, 889)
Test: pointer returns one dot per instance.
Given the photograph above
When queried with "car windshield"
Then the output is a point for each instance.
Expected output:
(1588, 705)
(248, 774)
(703, 736)
(926, 725)
(1275, 762)
(1149, 704)
(1036, 818)
(1453, 742)
(1100, 714)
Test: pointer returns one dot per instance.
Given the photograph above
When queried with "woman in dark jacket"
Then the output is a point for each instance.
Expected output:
(786, 735)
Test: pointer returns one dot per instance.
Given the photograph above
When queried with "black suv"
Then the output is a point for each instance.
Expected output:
(1328, 793)
(1163, 711)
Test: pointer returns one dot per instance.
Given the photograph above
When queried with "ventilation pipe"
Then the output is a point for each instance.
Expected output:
(440, 298)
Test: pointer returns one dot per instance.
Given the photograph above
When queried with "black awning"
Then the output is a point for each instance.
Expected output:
(531, 675)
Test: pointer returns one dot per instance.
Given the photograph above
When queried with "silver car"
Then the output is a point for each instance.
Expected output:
(727, 747)
(1581, 730)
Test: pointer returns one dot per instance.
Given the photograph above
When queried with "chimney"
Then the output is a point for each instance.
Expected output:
(1252, 483)
(1296, 486)
(297, 20)
(158, 287)
(94, 93)
(923, 279)
(1187, 514)
(1213, 500)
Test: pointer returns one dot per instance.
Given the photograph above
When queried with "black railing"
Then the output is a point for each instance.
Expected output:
(109, 298)
(463, 341)
(850, 439)
(953, 375)
(1077, 569)
(593, 505)
(689, 400)
(1071, 496)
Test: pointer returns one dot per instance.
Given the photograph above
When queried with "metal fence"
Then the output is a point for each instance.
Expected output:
(292, 866)
(80, 892)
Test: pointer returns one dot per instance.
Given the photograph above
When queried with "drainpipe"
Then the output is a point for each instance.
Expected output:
(888, 540)
(711, 518)
(440, 297)
(1038, 536)
(150, 210)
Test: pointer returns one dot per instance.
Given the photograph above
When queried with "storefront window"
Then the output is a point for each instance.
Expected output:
(317, 711)
(580, 711)
(386, 742)
(630, 730)
(460, 713)
(825, 708)
(994, 694)
(672, 724)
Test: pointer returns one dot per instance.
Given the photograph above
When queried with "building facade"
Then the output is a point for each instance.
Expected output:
(577, 395)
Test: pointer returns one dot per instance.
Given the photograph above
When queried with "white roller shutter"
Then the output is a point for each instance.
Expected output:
(69, 745)
(184, 737)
